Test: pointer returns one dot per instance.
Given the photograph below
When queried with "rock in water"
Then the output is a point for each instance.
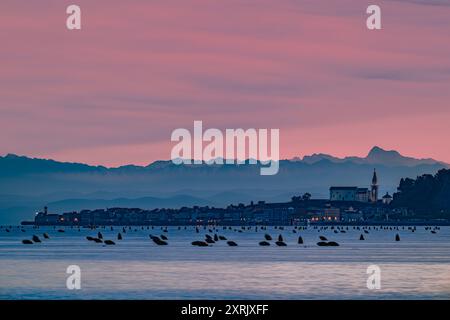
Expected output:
(232, 243)
(27, 241)
(264, 243)
(280, 244)
(109, 242)
(397, 237)
(199, 244)
(327, 244)
(36, 238)
(361, 237)
(300, 240)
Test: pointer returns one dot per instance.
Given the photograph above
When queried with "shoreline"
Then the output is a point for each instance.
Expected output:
(359, 224)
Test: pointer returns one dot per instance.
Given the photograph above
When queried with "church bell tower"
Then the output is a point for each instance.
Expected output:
(374, 188)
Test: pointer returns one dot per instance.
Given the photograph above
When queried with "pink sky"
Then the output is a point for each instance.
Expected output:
(113, 92)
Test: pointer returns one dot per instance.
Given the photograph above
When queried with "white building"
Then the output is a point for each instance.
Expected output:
(355, 193)
(387, 198)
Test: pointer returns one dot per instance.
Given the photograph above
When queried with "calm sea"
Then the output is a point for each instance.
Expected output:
(417, 267)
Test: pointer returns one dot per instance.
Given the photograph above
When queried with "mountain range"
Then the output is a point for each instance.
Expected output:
(376, 156)
(27, 184)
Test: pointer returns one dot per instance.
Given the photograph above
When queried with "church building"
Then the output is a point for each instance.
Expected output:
(355, 193)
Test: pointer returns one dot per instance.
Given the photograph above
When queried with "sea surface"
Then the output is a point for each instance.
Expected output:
(416, 267)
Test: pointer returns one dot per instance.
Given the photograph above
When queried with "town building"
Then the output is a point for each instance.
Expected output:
(387, 199)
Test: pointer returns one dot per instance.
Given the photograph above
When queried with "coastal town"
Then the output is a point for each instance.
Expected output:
(346, 205)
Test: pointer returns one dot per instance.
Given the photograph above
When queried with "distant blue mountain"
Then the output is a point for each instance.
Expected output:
(376, 156)
(27, 184)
